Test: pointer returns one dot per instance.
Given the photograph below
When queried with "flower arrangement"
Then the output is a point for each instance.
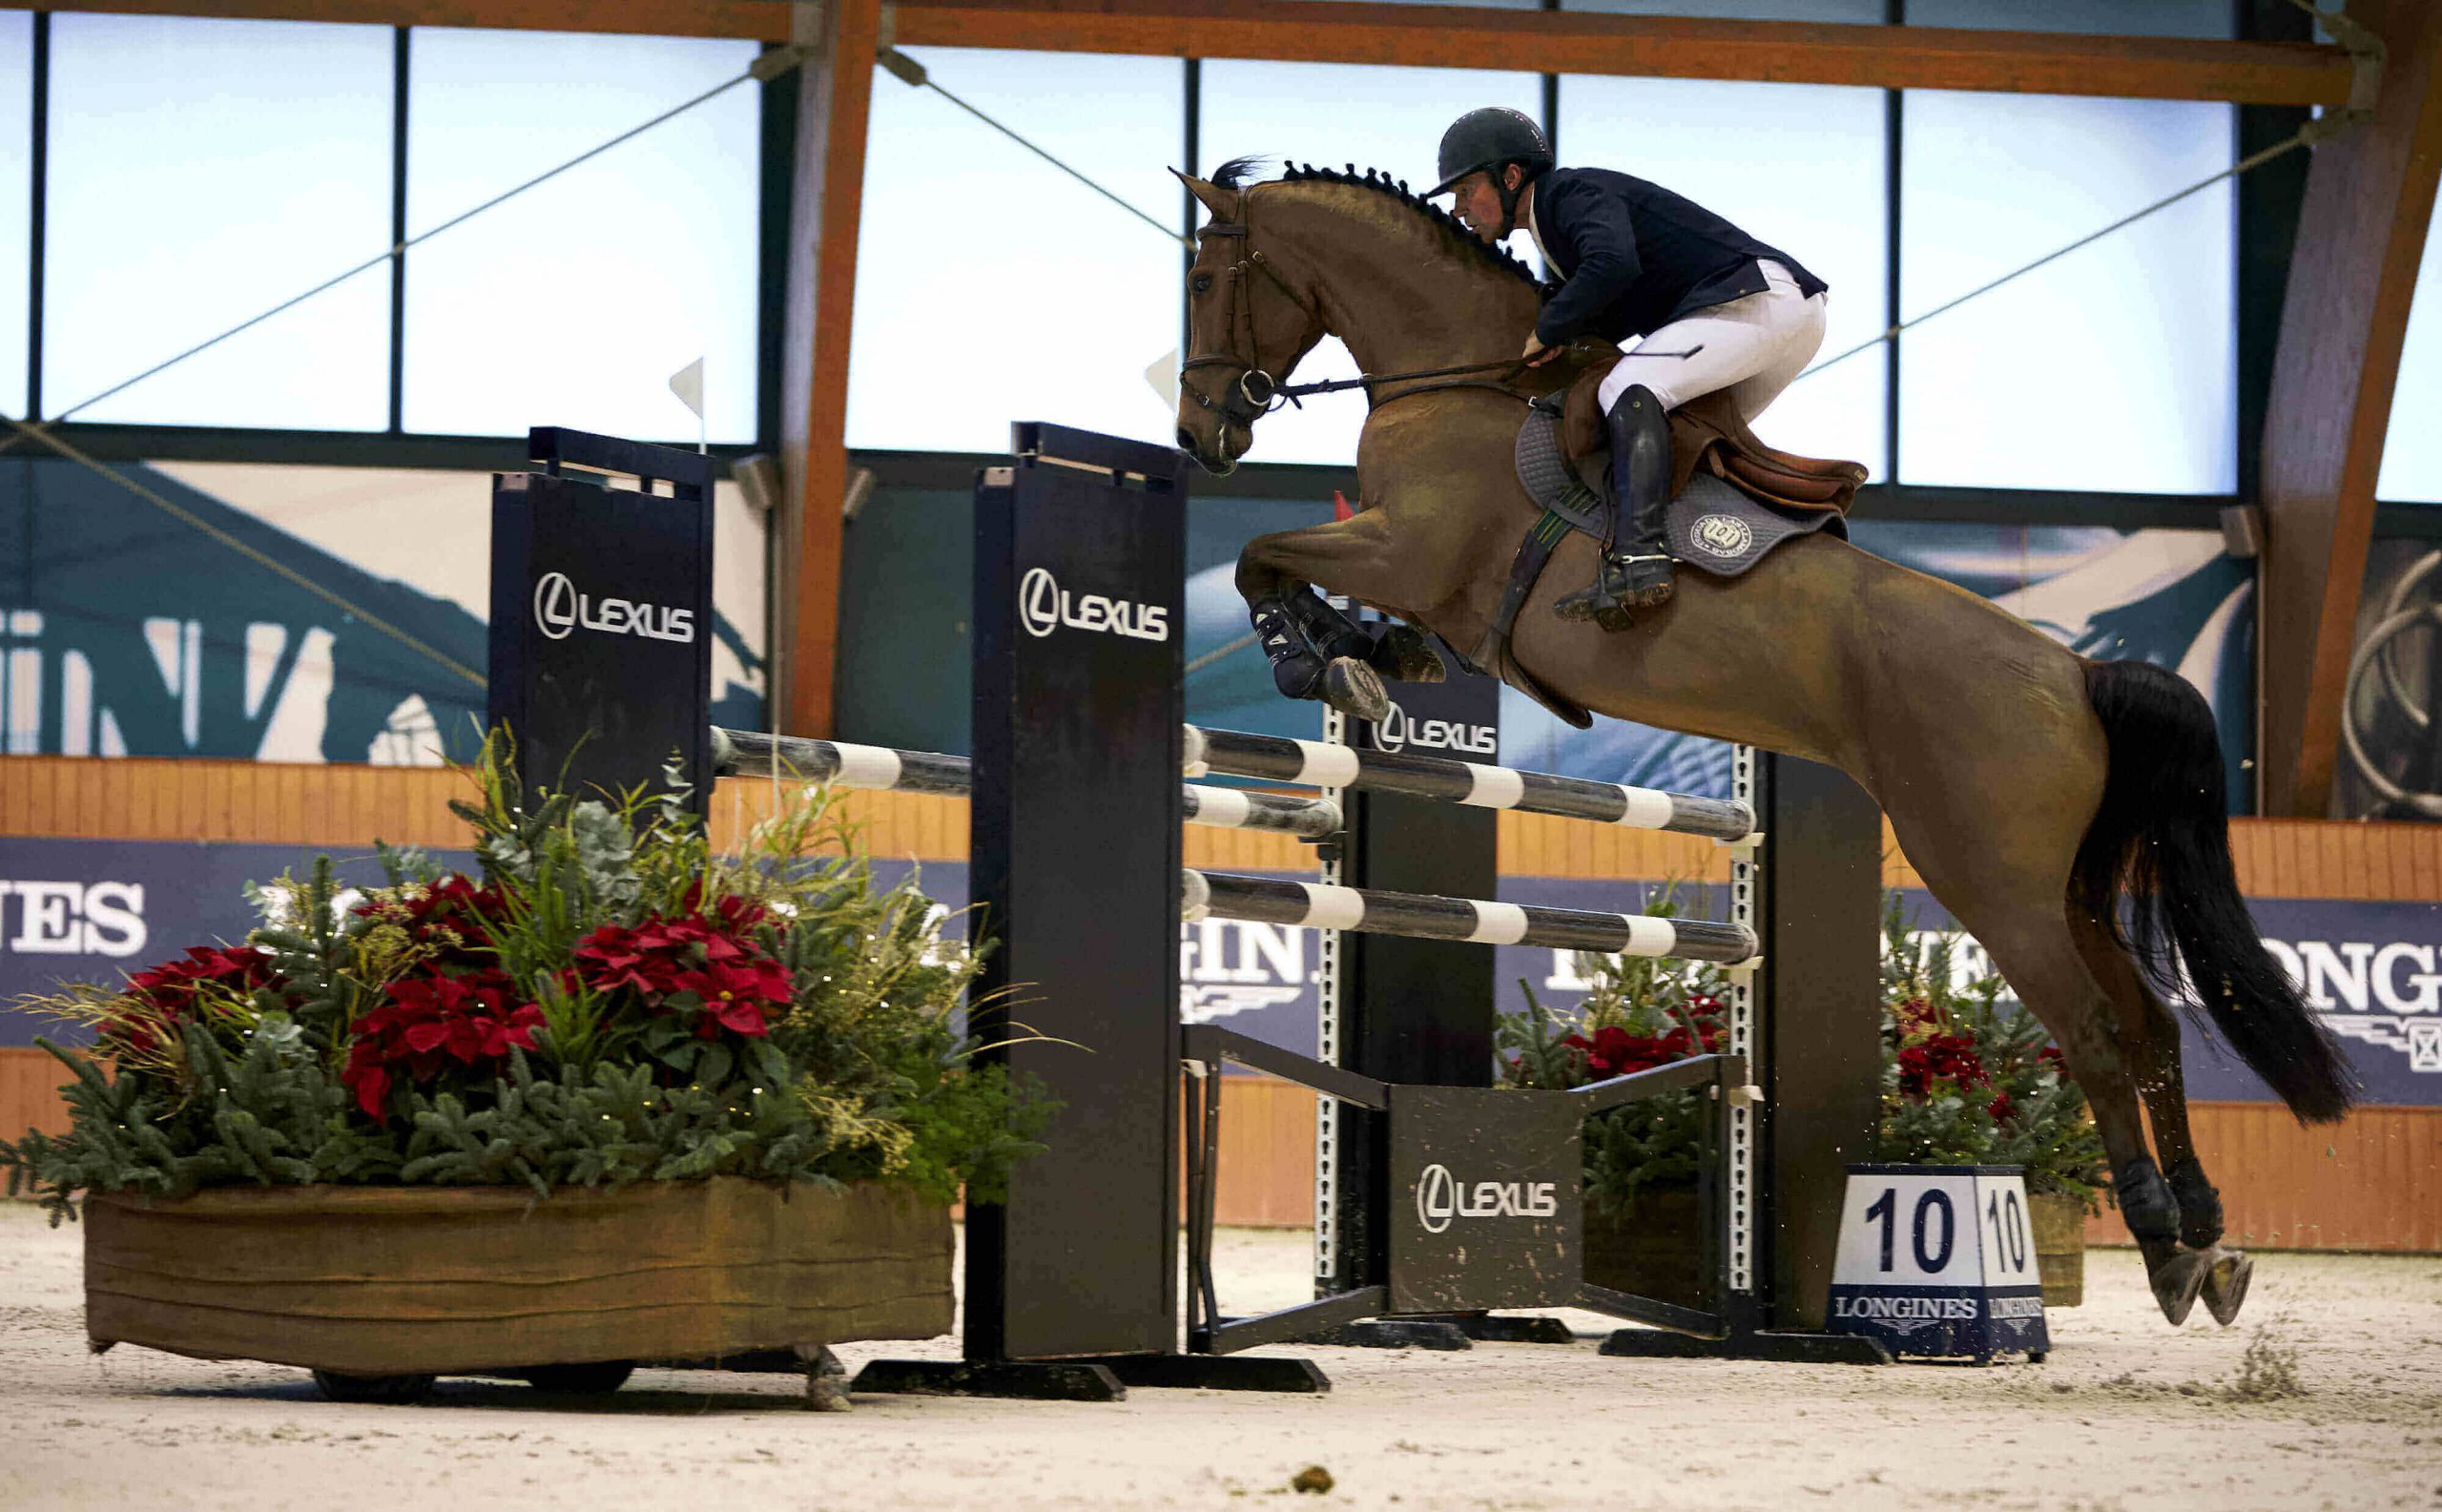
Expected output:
(1969, 1079)
(1639, 1014)
(607, 1001)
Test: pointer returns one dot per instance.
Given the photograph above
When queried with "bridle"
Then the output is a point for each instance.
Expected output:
(1253, 393)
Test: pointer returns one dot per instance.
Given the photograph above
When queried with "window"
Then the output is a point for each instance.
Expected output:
(2172, 18)
(2110, 369)
(16, 166)
(1332, 114)
(2412, 448)
(201, 172)
(1799, 167)
(990, 285)
(573, 303)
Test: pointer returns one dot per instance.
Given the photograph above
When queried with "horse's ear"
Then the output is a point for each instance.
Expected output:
(1222, 202)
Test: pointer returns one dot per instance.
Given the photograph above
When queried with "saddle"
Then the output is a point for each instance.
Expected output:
(1734, 499)
(1708, 434)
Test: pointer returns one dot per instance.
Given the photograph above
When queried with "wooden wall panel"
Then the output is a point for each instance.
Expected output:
(1267, 1178)
(30, 1080)
(350, 806)
(2372, 1183)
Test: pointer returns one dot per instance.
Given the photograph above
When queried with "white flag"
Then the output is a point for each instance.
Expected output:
(688, 384)
(1164, 376)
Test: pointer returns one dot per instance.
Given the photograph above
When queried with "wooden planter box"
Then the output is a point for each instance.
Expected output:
(380, 1281)
(2060, 1225)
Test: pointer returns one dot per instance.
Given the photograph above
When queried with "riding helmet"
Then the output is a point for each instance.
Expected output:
(1488, 138)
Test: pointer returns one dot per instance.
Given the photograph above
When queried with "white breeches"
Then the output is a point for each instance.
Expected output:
(1754, 346)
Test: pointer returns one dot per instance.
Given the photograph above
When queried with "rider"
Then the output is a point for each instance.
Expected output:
(1635, 260)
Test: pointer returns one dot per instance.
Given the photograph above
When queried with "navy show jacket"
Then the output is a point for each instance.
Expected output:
(1633, 257)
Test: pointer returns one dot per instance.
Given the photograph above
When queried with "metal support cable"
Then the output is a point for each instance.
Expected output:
(1217, 653)
(769, 66)
(908, 69)
(400, 249)
(2306, 135)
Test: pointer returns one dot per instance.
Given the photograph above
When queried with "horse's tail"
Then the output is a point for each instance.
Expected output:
(2163, 836)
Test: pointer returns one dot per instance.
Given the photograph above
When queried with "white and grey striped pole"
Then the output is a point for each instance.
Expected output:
(844, 764)
(1319, 763)
(1313, 905)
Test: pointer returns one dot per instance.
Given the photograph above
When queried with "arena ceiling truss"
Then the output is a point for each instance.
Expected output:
(2369, 194)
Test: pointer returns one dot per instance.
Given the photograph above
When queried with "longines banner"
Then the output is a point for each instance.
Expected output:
(92, 910)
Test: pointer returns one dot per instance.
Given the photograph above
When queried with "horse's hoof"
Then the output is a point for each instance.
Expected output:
(1356, 689)
(1404, 656)
(2177, 1279)
(2225, 1283)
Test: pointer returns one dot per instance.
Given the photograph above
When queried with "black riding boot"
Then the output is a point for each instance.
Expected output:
(1635, 572)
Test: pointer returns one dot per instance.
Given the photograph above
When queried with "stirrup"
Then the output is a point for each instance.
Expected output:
(1621, 583)
(1645, 581)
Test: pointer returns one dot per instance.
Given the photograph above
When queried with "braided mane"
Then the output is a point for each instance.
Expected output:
(1234, 174)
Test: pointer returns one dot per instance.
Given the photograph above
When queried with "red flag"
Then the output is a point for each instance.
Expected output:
(1339, 506)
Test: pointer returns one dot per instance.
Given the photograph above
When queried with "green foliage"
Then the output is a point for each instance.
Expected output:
(1639, 1013)
(852, 1066)
(1970, 1078)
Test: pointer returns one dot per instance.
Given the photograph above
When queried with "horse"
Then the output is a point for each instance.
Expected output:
(2071, 814)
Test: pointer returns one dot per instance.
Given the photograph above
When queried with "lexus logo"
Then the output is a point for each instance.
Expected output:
(560, 607)
(1397, 730)
(1044, 605)
(555, 605)
(1440, 1197)
(1435, 1196)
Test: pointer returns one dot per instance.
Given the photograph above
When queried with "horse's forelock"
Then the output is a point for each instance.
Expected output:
(1234, 174)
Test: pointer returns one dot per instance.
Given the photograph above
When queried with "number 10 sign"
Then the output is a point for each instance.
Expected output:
(1940, 1260)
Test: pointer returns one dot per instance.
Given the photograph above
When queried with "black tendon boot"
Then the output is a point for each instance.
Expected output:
(1297, 670)
(1636, 570)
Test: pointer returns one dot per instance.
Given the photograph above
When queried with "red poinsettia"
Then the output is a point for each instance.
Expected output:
(1933, 1057)
(453, 920)
(430, 1020)
(1614, 1051)
(706, 966)
(168, 991)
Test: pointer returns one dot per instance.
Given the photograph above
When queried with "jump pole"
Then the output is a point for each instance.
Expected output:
(1071, 1287)
(885, 768)
(1804, 1018)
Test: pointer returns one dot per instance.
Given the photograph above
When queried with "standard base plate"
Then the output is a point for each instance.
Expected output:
(1219, 1372)
(1036, 1379)
(1392, 1333)
(1494, 1329)
(1793, 1348)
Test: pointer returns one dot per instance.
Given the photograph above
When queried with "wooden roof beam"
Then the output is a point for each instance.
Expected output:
(2361, 237)
(1443, 36)
(1667, 47)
